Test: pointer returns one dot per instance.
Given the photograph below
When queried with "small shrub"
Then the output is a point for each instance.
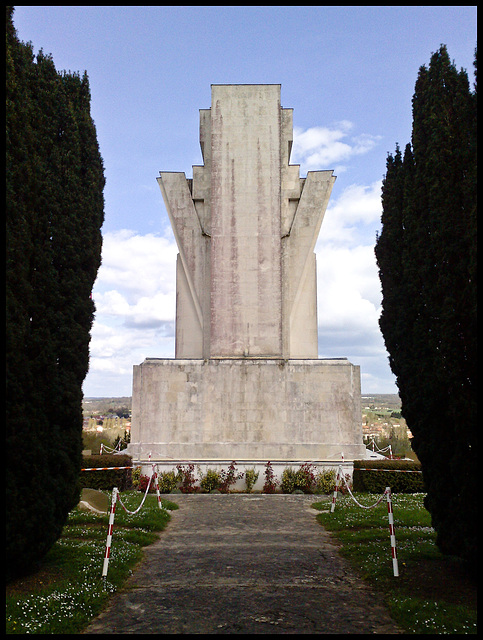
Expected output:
(136, 474)
(143, 483)
(251, 477)
(288, 481)
(325, 481)
(270, 482)
(188, 480)
(229, 477)
(301, 480)
(168, 481)
(210, 481)
(305, 478)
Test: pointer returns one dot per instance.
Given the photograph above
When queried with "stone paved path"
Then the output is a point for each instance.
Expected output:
(244, 564)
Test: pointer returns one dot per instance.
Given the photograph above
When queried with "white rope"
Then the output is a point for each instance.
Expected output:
(358, 503)
(144, 498)
(374, 444)
(340, 474)
(117, 449)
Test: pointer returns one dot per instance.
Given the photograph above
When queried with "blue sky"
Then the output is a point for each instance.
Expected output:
(349, 75)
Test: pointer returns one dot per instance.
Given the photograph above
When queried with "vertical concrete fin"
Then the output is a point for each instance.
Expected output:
(299, 248)
(187, 231)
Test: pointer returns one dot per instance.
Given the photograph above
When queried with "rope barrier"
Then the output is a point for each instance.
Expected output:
(104, 468)
(132, 513)
(388, 470)
(117, 497)
(104, 447)
(375, 446)
(390, 515)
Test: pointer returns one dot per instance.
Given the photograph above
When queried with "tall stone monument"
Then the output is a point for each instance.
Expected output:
(246, 383)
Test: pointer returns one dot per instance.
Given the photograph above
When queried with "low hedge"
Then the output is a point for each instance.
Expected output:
(387, 473)
(106, 480)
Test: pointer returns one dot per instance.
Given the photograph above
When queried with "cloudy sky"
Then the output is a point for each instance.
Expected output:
(349, 75)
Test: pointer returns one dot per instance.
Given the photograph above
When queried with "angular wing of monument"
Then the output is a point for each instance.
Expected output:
(246, 383)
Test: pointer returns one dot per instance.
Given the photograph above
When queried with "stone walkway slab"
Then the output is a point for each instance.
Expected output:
(240, 563)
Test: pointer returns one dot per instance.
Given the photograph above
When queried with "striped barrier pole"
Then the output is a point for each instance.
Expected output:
(388, 470)
(334, 497)
(107, 555)
(337, 480)
(105, 468)
(155, 476)
(390, 516)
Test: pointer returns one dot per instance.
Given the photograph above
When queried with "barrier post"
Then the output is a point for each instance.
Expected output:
(392, 534)
(155, 476)
(105, 566)
(334, 497)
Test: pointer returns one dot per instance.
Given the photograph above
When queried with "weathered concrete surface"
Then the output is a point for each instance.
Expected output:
(244, 564)
(246, 225)
(246, 409)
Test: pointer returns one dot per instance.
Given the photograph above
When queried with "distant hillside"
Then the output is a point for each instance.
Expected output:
(104, 405)
(387, 400)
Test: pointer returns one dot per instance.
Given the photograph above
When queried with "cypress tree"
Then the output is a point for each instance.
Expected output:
(429, 307)
(55, 182)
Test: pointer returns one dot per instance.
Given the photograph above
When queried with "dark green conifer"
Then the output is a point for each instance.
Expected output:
(55, 182)
(427, 266)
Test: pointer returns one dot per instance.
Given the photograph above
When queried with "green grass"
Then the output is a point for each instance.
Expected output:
(433, 593)
(67, 591)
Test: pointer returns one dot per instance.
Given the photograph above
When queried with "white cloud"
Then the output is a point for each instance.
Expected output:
(326, 148)
(135, 298)
(145, 311)
(354, 217)
(137, 264)
(348, 287)
(136, 280)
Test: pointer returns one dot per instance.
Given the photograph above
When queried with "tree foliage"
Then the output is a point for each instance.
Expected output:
(426, 255)
(55, 210)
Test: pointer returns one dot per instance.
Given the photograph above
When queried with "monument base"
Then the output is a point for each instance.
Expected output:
(210, 412)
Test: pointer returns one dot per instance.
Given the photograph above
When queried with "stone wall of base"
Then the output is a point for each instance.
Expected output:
(246, 410)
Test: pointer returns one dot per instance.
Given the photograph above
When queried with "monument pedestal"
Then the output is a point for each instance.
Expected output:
(247, 410)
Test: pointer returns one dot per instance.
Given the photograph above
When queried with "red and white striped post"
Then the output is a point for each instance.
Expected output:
(107, 555)
(155, 476)
(338, 478)
(390, 516)
(334, 497)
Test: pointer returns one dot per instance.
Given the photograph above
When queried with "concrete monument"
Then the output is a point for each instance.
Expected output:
(246, 383)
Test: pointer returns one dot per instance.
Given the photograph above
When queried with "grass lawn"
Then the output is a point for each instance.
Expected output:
(433, 593)
(67, 590)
